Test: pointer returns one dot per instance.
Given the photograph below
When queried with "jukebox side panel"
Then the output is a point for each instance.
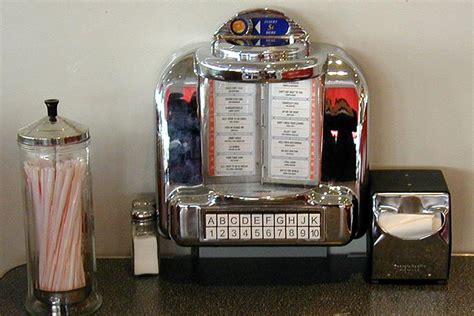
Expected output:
(340, 134)
(178, 140)
(344, 155)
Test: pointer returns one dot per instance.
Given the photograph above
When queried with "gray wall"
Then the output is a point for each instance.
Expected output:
(103, 58)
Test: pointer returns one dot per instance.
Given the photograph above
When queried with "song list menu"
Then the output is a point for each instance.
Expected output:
(232, 129)
(292, 130)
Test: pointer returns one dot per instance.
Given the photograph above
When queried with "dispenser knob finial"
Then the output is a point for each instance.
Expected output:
(52, 105)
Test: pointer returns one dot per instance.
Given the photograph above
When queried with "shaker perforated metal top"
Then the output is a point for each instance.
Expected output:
(143, 209)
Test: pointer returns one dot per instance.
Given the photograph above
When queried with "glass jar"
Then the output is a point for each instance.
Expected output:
(59, 225)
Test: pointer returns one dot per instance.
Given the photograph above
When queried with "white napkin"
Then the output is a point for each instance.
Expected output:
(410, 226)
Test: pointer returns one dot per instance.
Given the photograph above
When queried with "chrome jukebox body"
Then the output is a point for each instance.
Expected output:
(262, 139)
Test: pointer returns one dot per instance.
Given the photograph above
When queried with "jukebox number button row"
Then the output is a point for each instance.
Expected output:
(263, 226)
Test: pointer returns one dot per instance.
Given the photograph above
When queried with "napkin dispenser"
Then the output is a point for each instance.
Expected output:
(410, 236)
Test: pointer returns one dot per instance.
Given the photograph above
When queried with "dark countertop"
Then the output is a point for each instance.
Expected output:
(124, 294)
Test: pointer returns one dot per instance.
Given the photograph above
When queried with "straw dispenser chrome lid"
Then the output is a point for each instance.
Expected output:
(53, 130)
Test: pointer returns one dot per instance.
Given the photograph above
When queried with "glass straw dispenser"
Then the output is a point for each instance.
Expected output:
(59, 224)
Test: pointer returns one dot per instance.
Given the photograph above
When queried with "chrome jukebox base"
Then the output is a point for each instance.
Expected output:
(318, 216)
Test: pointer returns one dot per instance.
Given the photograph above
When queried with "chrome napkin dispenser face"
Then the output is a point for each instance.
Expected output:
(262, 139)
(410, 237)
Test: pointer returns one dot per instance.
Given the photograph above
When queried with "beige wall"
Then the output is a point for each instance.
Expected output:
(102, 60)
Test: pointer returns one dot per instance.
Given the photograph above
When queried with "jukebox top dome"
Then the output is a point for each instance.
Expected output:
(257, 46)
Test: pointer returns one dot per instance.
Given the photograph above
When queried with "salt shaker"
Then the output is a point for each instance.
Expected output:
(59, 225)
(144, 236)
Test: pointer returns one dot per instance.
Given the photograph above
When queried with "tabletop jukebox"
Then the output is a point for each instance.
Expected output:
(262, 139)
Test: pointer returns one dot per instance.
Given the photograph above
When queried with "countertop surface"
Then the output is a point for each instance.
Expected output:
(124, 294)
